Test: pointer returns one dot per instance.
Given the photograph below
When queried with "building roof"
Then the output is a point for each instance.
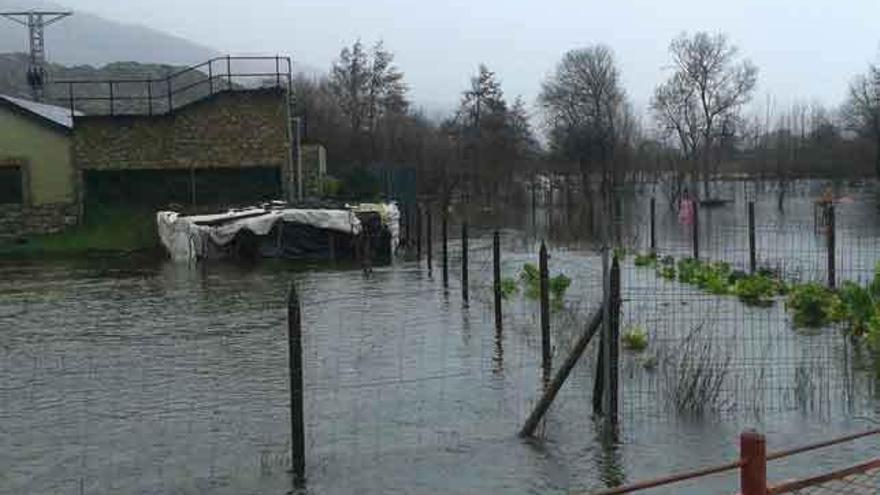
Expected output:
(51, 113)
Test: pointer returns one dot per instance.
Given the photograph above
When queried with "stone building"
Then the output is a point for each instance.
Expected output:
(38, 181)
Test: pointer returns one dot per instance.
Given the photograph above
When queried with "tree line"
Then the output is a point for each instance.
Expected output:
(696, 129)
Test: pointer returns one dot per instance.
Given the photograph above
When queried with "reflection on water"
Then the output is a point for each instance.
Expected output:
(161, 378)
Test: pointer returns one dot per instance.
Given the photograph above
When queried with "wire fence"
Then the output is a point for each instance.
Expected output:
(172, 379)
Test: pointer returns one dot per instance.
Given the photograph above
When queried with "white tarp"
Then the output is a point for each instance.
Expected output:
(187, 237)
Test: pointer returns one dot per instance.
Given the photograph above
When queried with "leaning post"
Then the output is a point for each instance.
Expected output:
(294, 347)
(614, 343)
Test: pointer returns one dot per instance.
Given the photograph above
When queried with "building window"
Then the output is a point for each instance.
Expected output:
(11, 185)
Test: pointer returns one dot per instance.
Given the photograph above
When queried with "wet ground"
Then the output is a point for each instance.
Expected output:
(167, 378)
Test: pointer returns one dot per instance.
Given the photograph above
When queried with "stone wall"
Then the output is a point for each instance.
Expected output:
(228, 129)
(18, 221)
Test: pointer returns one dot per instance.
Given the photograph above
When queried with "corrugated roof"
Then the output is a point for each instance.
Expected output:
(52, 113)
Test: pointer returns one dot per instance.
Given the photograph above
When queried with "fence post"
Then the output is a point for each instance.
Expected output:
(614, 342)
(464, 261)
(429, 241)
(418, 213)
(444, 234)
(832, 247)
(653, 225)
(753, 455)
(696, 229)
(545, 312)
(228, 72)
(752, 254)
(496, 276)
(294, 346)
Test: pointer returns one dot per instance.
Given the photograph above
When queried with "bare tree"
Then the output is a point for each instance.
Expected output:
(584, 105)
(861, 111)
(703, 95)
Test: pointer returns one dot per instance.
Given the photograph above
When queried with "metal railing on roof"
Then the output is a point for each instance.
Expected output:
(162, 95)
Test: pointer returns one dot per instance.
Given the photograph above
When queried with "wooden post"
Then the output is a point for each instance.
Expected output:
(752, 251)
(444, 234)
(464, 261)
(418, 232)
(496, 276)
(599, 383)
(753, 455)
(653, 225)
(429, 241)
(832, 247)
(696, 230)
(545, 312)
(294, 346)
(614, 343)
(561, 375)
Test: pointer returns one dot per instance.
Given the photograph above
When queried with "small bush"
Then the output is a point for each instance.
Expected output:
(509, 287)
(646, 260)
(558, 285)
(635, 339)
(812, 305)
(755, 290)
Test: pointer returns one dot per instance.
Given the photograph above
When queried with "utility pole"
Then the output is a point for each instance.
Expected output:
(36, 22)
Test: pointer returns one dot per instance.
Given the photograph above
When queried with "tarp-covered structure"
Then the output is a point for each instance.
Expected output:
(273, 231)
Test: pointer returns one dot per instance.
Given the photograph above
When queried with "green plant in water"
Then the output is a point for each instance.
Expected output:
(756, 290)
(646, 260)
(666, 271)
(856, 305)
(509, 287)
(812, 304)
(634, 339)
(558, 285)
(530, 276)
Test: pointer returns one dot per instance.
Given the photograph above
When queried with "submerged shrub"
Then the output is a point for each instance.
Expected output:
(646, 260)
(756, 290)
(509, 287)
(812, 304)
(634, 339)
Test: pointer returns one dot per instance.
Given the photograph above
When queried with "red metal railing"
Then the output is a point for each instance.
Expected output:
(137, 96)
(752, 466)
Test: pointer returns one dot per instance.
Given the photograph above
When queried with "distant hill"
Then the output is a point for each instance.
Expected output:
(89, 39)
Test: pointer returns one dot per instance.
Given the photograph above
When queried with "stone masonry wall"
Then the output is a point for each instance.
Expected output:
(229, 129)
(22, 221)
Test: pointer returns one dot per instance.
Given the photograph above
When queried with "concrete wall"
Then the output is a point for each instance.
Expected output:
(45, 154)
(230, 129)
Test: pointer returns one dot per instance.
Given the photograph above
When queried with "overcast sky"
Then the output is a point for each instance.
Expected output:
(805, 49)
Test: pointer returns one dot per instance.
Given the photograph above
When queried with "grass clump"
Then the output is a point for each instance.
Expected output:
(635, 339)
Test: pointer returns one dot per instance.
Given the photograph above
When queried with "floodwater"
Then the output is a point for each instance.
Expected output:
(167, 378)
